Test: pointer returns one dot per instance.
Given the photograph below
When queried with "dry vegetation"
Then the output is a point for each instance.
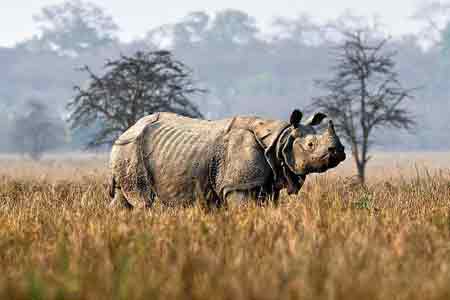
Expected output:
(58, 240)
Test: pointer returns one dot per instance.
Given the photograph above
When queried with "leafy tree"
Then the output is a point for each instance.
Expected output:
(37, 131)
(232, 26)
(301, 30)
(364, 94)
(445, 41)
(132, 87)
(73, 27)
(228, 28)
(435, 17)
(192, 29)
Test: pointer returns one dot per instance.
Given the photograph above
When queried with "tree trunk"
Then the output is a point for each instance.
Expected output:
(361, 168)
(360, 163)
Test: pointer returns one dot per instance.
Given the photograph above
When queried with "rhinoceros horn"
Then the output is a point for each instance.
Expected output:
(330, 129)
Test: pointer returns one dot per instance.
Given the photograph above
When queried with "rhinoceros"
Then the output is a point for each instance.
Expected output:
(178, 159)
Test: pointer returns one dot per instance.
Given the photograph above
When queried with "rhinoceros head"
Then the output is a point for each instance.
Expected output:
(309, 148)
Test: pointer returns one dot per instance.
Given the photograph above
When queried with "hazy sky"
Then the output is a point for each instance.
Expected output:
(135, 17)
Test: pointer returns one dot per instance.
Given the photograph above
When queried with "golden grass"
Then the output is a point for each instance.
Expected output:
(58, 240)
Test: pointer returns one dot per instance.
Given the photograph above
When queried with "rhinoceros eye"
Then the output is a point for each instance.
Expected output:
(310, 145)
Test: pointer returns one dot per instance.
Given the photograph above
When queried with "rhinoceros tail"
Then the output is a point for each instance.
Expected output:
(112, 187)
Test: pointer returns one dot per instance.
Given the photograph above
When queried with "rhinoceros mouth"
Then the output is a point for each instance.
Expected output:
(336, 159)
(330, 160)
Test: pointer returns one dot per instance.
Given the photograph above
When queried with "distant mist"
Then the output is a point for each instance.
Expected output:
(243, 73)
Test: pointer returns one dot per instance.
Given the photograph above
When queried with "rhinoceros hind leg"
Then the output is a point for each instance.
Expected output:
(140, 199)
(120, 201)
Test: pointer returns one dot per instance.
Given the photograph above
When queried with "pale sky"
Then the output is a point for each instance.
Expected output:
(135, 17)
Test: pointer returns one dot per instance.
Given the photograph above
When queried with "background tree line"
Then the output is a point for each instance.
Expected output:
(244, 69)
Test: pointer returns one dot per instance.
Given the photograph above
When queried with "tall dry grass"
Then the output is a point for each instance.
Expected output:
(335, 240)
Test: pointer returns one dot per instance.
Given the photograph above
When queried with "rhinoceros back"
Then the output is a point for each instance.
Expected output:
(172, 153)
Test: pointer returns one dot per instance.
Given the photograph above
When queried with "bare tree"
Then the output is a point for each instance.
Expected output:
(364, 93)
(38, 130)
(132, 87)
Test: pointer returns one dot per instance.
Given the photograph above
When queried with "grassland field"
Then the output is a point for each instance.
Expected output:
(335, 240)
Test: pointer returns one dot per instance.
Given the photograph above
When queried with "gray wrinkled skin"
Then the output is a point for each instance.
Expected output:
(179, 159)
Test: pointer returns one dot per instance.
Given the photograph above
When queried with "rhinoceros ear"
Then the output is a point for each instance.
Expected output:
(296, 117)
(316, 119)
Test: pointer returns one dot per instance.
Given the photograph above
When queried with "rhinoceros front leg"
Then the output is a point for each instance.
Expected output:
(259, 196)
(237, 198)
